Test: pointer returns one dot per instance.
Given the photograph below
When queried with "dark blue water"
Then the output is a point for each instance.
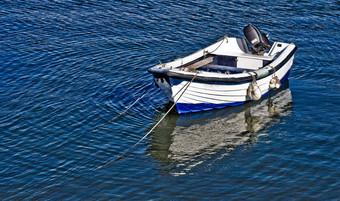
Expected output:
(67, 66)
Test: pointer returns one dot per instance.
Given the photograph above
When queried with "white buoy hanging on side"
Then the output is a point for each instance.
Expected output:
(254, 91)
(275, 83)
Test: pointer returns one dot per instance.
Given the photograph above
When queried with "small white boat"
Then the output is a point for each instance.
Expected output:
(226, 73)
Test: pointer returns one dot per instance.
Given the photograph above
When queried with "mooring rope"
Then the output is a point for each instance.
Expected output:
(207, 52)
(97, 127)
(122, 113)
(119, 157)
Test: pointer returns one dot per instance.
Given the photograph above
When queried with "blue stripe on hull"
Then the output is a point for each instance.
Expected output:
(186, 108)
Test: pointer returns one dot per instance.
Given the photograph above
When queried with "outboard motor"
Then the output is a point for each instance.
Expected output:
(258, 41)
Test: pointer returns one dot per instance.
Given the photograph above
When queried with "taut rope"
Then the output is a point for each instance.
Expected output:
(119, 157)
(205, 52)
(116, 117)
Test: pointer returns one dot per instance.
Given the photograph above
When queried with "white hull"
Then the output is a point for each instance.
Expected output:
(220, 93)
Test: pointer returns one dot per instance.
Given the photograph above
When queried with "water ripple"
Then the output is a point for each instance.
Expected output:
(68, 67)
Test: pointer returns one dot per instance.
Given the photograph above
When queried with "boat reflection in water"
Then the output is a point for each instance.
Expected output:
(180, 143)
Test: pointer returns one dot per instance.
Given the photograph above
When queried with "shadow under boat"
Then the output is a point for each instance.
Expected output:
(180, 142)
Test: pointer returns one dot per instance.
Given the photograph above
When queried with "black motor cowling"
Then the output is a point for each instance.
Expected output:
(258, 41)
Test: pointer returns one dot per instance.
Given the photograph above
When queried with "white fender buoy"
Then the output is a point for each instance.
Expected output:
(274, 83)
(254, 91)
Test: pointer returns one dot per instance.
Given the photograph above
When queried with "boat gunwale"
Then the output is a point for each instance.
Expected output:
(167, 73)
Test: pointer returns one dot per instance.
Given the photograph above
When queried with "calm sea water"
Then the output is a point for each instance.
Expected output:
(67, 66)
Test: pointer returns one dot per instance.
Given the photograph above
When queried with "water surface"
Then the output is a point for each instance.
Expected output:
(68, 66)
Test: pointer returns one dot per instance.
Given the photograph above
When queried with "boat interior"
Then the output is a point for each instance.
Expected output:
(252, 53)
(228, 64)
